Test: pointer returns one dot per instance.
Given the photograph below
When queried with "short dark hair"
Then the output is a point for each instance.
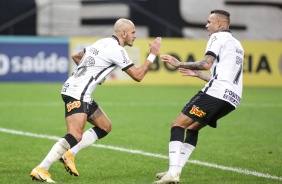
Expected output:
(222, 12)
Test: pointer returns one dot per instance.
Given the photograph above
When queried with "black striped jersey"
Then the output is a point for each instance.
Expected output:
(227, 70)
(99, 60)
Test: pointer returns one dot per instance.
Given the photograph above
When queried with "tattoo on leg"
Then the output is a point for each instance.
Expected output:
(96, 114)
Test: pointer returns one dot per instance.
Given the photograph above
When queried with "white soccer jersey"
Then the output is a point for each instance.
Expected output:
(227, 70)
(99, 60)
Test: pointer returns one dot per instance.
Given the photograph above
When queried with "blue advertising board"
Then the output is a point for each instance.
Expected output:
(34, 59)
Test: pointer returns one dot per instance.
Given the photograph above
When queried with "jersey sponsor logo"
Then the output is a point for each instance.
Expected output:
(74, 104)
(232, 97)
(196, 111)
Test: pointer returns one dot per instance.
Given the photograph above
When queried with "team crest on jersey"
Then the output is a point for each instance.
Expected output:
(89, 61)
(196, 111)
(74, 104)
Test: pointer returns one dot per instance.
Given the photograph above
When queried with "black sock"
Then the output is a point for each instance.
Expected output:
(177, 133)
(191, 137)
(71, 140)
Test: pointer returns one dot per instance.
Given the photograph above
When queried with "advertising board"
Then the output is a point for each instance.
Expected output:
(262, 62)
(34, 59)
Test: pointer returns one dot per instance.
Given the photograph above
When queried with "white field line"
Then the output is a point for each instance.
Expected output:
(132, 104)
(238, 170)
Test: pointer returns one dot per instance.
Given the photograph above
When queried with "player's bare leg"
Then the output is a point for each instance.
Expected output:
(102, 128)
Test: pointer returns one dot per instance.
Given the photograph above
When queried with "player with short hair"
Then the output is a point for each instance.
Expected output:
(224, 57)
(94, 64)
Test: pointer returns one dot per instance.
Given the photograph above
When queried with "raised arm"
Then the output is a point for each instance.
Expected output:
(138, 73)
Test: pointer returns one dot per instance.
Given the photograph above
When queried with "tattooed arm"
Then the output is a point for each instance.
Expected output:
(204, 64)
(204, 76)
(77, 56)
(191, 68)
(194, 73)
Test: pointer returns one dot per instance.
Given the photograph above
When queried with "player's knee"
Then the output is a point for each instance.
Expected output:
(196, 126)
(177, 123)
(182, 121)
(77, 134)
(78, 137)
(174, 123)
(106, 126)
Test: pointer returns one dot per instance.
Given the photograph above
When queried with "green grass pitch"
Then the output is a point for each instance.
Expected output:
(245, 148)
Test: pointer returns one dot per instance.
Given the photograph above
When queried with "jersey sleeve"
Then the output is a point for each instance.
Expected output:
(213, 45)
(119, 57)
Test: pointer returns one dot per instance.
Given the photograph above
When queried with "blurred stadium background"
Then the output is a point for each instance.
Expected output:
(55, 29)
(251, 20)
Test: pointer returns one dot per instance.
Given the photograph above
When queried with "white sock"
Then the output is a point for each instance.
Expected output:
(88, 138)
(174, 156)
(185, 153)
(55, 153)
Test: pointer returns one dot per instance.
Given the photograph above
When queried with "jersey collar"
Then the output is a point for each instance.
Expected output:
(114, 37)
(226, 30)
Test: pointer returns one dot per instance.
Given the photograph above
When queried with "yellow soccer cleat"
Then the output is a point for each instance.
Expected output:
(42, 175)
(68, 161)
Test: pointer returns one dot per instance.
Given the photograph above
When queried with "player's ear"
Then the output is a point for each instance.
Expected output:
(219, 23)
(123, 34)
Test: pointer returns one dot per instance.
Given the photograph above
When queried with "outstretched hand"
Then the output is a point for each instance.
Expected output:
(188, 72)
(155, 46)
(171, 60)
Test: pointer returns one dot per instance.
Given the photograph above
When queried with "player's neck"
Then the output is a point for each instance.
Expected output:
(118, 40)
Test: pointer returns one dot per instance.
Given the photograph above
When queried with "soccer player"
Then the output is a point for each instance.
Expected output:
(222, 94)
(94, 63)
